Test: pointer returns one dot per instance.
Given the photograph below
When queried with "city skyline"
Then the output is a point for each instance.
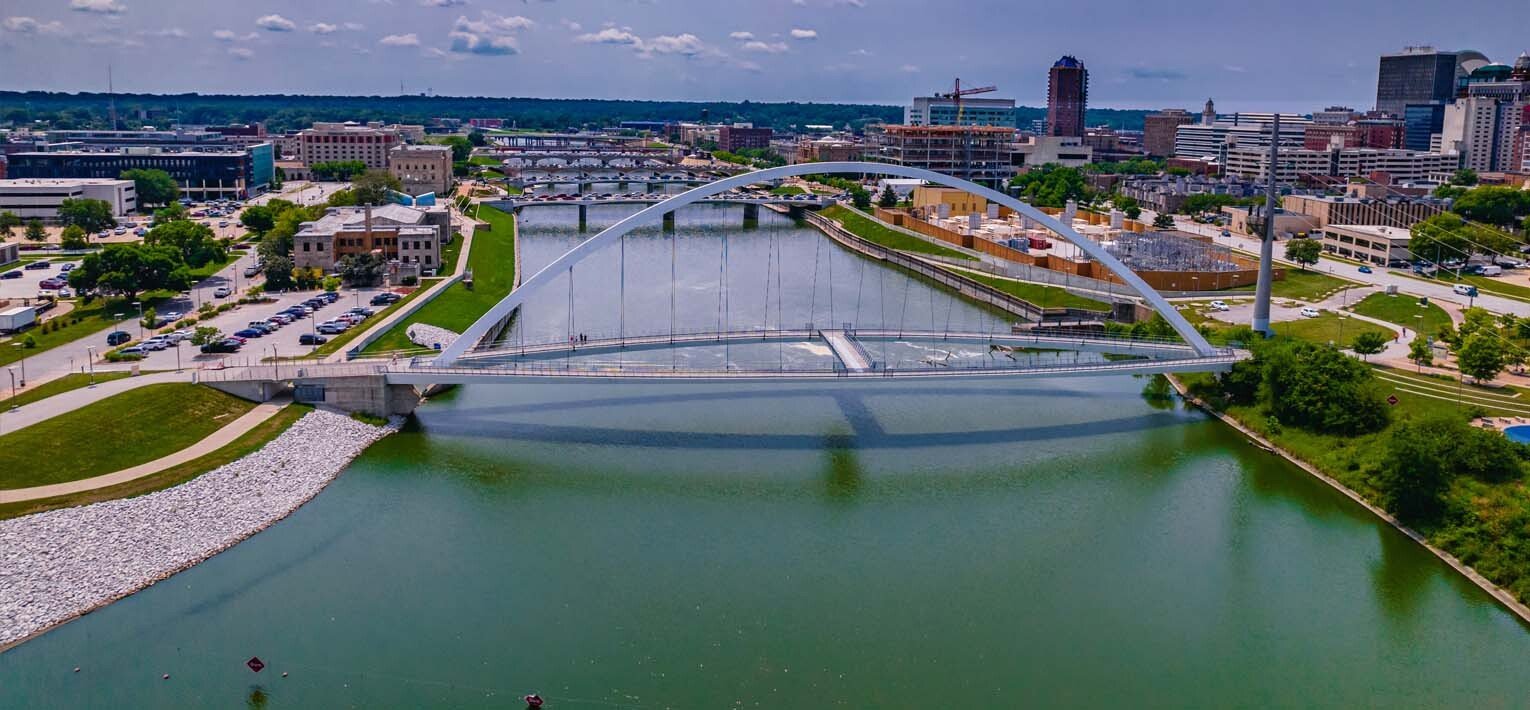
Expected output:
(682, 50)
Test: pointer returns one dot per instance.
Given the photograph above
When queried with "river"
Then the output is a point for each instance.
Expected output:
(1060, 542)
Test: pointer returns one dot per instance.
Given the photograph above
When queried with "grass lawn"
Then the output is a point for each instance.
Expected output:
(82, 322)
(1302, 285)
(1404, 311)
(1327, 327)
(788, 190)
(1043, 296)
(213, 267)
(252, 441)
(72, 381)
(449, 257)
(121, 431)
(338, 342)
(876, 232)
(493, 263)
(484, 160)
(1422, 392)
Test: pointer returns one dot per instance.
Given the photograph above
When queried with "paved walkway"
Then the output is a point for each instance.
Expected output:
(217, 440)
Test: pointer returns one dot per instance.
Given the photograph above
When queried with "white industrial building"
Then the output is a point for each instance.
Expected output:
(39, 198)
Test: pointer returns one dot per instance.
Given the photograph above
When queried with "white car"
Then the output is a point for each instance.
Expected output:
(1310, 312)
(1218, 305)
(222, 292)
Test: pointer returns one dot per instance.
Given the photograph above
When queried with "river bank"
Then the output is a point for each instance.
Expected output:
(61, 564)
(1499, 594)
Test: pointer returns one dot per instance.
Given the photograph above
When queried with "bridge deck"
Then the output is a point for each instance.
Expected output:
(849, 352)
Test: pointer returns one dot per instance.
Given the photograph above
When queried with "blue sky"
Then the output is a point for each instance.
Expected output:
(1140, 54)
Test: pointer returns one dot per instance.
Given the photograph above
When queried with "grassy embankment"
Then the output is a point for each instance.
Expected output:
(121, 431)
(247, 444)
(1485, 284)
(1328, 328)
(788, 190)
(872, 231)
(67, 383)
(1487, 525)
(1301, 285)
(493, 263)
(1038, 294)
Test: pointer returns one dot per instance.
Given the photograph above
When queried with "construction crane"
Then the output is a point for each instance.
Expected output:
(955, 95)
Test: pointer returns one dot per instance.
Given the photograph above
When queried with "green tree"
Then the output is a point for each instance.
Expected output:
(1052, 185)
(1320, 388)
(1494, 204)
(90, 215)
(196, 243)
(8, 222)
(154, 187)
(206, 334)
(1416, 470)
(1464, 176)
(259, 219)
(337, 170)
(888, 199)
(1163, 220)
(170, 213)
(1420, 351)
(372, 186)
(1369, 343)
(477, 139)
(127, 269)
(35, 231)
(462, 148)
(279, 274)
(150, 318)
(860, 198)
(1303, 251)
(1481, 355)
(74, 238)
(362, 269)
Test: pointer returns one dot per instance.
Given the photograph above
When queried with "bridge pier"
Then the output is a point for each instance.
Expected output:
(584, 214)
(669, 221)
(796, 211)
(751, 215)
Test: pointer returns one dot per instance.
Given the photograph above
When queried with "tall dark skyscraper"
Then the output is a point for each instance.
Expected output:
(1067, 95)
(1422, 75)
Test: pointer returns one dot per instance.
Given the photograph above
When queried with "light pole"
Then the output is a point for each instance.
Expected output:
(90, 355)
(23, 362)
(139, 304)
(276, 364)
(177, 356)
(12, 370)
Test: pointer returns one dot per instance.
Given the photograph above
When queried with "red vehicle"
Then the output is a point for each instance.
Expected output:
(1039, 243)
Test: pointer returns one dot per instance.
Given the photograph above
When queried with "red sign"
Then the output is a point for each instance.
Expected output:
(1392, 399)
(255, 663)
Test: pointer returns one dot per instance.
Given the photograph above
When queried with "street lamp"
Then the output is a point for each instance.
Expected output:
(276, 364)
(90, 355)
(177, 356)
(139, 304)
(23, 362)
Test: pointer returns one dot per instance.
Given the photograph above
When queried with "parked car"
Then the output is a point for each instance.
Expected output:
(66, 268)
(1218, 305)
(12, 274)
(155, 344)
(311, 339)
(1310, 312)
(1465, 290)
(38, 265)
(222, 346)
(53, 283)
(386, 299)
(222, 292)
(249, 333)
(134, 351)
(117, 337)
(364, 312)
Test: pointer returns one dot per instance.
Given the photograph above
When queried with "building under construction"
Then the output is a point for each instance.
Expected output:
(982, 154)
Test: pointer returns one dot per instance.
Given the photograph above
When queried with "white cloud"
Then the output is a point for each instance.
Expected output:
(442, 3)
(27, 26)
(490, 34)
(741, 36)
(100, 7)
(861, 53)
(229, 36)
(323, 28)
(275, 23)
(766, 47)
(171, 32)
(684, 44)
(241, 53)
(909, 68)
(610, 35)
(354, 26)
(798, 33)
(408, 40)
(570, 25)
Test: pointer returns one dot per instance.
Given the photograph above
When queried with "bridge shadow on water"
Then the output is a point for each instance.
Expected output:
(866, 432)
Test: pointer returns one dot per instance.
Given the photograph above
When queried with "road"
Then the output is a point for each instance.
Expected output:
(1378, 277)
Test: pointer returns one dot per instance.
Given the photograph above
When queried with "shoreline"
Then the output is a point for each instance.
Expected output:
(1504, 599)
(60, 565)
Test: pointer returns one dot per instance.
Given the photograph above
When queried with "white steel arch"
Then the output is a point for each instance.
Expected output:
(653, 214)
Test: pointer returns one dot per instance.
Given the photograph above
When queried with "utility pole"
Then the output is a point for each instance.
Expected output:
(111, 99)
(1261, 322)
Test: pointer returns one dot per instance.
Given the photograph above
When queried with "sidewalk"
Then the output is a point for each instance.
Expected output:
(217, 440)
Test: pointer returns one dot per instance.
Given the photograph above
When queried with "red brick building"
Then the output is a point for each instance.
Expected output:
(736, 138)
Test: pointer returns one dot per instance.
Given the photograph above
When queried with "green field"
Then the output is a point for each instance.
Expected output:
(61, 385)
(121, 431)
(247, 444)
(493, 263)
(1404, 311)
(1302, 285)
(1040, 295)
(449, 257)
(788, 190)
(872, 231)
(1328, 327)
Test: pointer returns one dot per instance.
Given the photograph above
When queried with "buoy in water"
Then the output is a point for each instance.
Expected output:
(533, 701)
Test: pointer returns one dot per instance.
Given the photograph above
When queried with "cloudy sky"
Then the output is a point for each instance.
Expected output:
(1140, 54)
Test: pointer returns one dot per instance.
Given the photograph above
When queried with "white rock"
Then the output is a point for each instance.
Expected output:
(62, 563)
(430, 336)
